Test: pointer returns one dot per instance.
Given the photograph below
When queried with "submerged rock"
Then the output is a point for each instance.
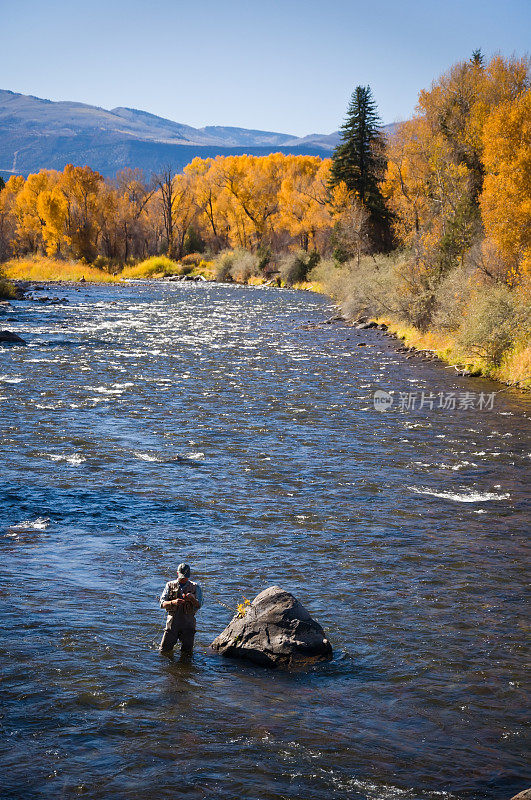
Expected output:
(8, 337)
(276, 631)
(195, 278)
(365, 326)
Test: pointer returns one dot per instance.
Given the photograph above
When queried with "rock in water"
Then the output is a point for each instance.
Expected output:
(276, 631)
(525, 795)
(11, 338)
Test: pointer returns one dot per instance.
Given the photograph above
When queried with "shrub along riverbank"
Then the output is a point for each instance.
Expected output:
(480, 326)
(233, 266)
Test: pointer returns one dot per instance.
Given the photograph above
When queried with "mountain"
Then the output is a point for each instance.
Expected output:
(42, 134)
(328, 141)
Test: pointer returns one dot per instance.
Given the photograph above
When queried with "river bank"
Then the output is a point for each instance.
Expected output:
(44, 270)
(479, 326)
(514, 371)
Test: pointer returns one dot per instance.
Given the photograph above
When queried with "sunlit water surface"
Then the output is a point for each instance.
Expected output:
(148, 424)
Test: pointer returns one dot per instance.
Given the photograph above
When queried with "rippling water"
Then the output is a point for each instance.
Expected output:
(148, 424)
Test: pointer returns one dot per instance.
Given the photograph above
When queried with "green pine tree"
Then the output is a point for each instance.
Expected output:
(359, 161)
(478, 58)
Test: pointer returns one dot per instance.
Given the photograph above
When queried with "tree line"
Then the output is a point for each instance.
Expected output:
(276, 201)
(451, 185)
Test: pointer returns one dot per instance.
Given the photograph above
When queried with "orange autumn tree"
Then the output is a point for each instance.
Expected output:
(29, 211)
(436, 163)
(207, 182)
(52, 208)
(81, 187)
(506, 197)
(249, 197)
(304, 206)
(8, 221)
(276, 201)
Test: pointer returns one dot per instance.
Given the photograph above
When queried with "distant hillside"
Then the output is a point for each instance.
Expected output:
(41, 134)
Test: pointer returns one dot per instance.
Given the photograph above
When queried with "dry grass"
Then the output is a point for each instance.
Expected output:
(7, 289)
(161, 266)
(205, 268)
(51, 269)
(434, 341)
(154, 267)
(482, 328)
(311, 286)
(515, 369)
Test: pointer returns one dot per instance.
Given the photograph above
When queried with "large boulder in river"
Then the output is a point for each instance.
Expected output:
(275, 631)
(525, 795)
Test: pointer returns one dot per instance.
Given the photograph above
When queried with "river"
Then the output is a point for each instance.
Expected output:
(150, 423)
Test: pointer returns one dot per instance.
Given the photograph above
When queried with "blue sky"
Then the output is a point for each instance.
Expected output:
(286, 65)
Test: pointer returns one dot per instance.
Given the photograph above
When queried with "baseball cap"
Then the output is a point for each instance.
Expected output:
(183, 571)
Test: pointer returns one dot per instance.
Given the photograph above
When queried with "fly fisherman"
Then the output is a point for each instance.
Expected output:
(181, 599)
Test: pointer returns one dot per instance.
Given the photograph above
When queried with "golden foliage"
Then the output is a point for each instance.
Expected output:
(243, 608)
(506, 197)
(233, 201)
(465, 153)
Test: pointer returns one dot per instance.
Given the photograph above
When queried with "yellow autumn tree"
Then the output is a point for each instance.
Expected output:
(303, 199)
(436, 161)
(52, 209)
(506, 197)
(8, 224)
(207, 183)
(425, 188)
(251, 185)
(281, 201)
(81, 187)
(27, 210)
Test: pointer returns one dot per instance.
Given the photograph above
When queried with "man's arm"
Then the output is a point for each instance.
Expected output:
(165, 595)
(168, 604)
(165, 602)
(196, 599)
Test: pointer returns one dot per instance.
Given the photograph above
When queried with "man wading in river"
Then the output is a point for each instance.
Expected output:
(181, 599)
